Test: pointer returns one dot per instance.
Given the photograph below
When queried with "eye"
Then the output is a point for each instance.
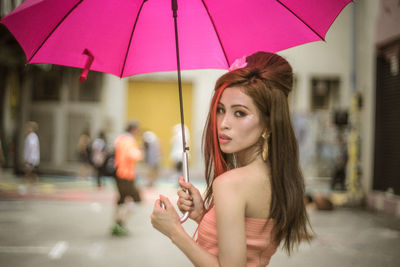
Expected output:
(220, 110)
(239, 113)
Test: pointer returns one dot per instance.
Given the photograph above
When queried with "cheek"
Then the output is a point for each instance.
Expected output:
(252, 125)
(251, 130)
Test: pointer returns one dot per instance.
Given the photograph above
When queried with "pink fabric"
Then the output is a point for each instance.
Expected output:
(260, 247)
(104, 27)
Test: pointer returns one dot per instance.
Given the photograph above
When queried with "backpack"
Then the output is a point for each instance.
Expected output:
(109, 165)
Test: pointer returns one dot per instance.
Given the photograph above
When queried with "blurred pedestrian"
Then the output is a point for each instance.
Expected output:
(127, 154)
(177, 148)
(340, 164)
(83, 149)
(98, 155)
(152, 150)
(31, 154)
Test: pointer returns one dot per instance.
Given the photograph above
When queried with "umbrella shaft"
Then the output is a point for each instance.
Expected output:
(175, 15)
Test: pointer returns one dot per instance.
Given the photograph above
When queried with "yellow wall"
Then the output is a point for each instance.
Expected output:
(156, 106)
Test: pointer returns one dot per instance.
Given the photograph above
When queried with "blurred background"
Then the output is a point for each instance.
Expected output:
(346, 113)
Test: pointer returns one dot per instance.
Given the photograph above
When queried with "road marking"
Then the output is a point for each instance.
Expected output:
(58, 250)
(96, 251)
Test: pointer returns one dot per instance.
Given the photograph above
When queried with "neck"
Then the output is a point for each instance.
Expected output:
(247, 156)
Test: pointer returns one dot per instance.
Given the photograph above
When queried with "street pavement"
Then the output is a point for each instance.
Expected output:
(66, 222)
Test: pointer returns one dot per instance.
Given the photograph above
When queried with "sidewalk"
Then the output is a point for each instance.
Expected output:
(70, 188)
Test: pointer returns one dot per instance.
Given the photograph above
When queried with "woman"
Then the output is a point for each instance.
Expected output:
(255, 189)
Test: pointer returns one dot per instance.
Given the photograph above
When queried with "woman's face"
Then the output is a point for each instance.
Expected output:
(239, 122)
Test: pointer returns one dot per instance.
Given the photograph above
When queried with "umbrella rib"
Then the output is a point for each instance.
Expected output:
(130, 39)
(301, 20)
(55, 28)
(216, 32)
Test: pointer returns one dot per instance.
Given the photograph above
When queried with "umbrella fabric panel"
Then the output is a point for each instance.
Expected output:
(269, 26)
(80, 31)
(197, 40)
(319, 14)
(30, 33)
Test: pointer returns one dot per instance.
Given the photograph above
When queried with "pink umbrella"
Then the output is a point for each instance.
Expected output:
(129, 37)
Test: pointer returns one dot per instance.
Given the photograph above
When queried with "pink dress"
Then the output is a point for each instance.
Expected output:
(260, 247)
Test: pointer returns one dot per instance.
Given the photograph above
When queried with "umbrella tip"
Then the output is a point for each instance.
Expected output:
(83, 76)
(88, 64)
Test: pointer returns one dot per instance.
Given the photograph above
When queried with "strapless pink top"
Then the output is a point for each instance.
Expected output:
(260, 247)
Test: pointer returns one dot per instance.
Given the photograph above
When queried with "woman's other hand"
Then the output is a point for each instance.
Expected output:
(165, 220)
(192, 202)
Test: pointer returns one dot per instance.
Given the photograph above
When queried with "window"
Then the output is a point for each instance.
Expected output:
(88, 91)
(324, 93)
(47, 82)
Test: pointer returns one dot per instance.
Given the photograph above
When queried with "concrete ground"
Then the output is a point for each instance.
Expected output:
(66, 222)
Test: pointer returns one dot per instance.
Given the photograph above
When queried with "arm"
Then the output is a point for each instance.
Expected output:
(229, 199)
(230, 223)
(167, 222)
(134, 152)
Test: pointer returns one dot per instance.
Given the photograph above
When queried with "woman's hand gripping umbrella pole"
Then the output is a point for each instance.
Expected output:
(185, 166)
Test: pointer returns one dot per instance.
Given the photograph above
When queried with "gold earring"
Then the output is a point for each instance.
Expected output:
(264, 154)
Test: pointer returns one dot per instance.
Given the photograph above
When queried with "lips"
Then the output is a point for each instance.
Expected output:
(223, 138)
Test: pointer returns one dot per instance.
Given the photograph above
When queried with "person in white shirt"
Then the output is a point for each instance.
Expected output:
(31, 153)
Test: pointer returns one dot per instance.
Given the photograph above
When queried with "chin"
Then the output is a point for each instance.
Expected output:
(228, 150)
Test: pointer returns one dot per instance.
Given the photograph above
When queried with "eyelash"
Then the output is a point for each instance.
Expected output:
(237, 113)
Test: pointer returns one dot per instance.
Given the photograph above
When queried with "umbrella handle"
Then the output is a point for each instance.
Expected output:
(185, 165)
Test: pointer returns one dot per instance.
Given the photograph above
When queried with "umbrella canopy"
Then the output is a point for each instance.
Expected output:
(130, 37)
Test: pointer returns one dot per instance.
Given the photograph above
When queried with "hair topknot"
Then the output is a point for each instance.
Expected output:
(270, 69)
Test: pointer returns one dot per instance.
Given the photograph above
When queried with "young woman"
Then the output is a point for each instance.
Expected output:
(255, 189)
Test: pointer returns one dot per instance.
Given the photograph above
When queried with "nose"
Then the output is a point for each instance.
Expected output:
(223, 121)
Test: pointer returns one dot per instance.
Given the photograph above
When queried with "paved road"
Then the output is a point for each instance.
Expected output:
(66, 222)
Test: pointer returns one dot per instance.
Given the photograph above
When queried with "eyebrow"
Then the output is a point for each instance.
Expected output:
(235, 106)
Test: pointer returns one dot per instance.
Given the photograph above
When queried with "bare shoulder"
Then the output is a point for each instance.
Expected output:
(231, 184)
(228, 193)
(230, 180)
(248, 187)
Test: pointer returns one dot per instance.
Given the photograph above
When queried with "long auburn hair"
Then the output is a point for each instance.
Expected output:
(267, 79)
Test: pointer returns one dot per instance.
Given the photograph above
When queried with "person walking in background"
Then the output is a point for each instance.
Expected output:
(98, 156)
(254, 199)
(340, 164)
(31, 154)
(83, 149)
(127, 154)
(152, 150)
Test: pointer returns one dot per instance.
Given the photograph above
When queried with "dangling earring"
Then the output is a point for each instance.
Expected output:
(264, 153)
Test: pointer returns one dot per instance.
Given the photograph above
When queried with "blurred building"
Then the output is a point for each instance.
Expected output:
(346, 88)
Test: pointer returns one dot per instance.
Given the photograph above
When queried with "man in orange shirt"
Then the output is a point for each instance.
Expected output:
(127, 153)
